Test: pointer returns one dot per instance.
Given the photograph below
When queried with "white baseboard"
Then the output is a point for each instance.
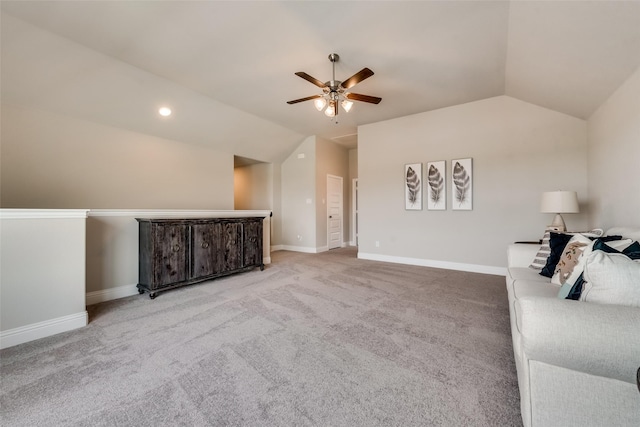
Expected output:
(44, 329)
(304, 249)
(275, 248)
(111, 294)
(473, 268)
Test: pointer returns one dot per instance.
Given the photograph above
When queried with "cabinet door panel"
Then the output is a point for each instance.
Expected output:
(205, 240)
(231, 246)
(252, 243)
(170, 257)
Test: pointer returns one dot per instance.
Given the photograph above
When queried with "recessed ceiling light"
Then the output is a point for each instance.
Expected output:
(164, 111)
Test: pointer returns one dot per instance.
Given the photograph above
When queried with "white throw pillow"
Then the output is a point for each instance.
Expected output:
(611, 279)
(618, 245)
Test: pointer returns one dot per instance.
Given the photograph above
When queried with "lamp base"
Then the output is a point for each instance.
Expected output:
(558, 223)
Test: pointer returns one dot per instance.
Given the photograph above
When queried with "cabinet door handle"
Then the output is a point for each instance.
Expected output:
(205, 245)
(176, 248)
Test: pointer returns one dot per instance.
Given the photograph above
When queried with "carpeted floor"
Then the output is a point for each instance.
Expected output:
(313, 340)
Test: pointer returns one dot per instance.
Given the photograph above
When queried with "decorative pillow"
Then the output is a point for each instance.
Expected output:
(595, 233)
(557, 242)
(611, 279)
(540, 260)
(543, 253)
(615, 246)
(572, 288)
(632, 251)
(569, 258)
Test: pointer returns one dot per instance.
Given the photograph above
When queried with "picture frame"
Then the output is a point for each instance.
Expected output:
(462, 184)
(413, 186)
(436, 186)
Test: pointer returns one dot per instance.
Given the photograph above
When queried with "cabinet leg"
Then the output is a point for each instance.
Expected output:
(152, 295)
(261, 267)
(140, 291)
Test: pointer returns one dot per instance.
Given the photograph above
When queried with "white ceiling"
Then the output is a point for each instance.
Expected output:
(236, 60)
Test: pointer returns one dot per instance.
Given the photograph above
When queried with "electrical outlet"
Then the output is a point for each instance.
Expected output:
(299, 238)
(377, 244)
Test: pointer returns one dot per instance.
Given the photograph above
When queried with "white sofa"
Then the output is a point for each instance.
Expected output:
(576, 361)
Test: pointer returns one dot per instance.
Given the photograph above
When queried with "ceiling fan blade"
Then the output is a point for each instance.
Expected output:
(363, 98)
(313, 80)
(295, 101)
(365, 73)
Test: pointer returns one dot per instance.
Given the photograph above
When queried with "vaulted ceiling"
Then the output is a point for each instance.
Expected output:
(227, 68)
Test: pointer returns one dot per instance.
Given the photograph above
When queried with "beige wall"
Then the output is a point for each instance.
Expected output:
(331, 159)
(614, 157)
(253, 186)
(55, 161)
(258, 187)
(353, 174)
(519, 151)
(299, 197)
(42, 274)
(304, 193)
(276, 220)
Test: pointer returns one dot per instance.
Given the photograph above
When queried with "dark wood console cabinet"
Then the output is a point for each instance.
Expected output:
(178, 252)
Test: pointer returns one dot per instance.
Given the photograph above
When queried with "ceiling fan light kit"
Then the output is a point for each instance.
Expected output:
(334, 91)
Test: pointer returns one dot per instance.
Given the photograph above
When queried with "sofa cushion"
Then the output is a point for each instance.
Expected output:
(523, 273)
(531, 288)
(611, 278)
(596, 339)
(628, 233)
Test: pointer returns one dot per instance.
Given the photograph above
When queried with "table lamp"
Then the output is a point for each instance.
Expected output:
(559, 202)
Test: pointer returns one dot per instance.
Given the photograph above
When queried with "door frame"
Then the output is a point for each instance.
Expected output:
(354, 212)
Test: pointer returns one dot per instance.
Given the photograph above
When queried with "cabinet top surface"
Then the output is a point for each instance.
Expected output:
(192, 220)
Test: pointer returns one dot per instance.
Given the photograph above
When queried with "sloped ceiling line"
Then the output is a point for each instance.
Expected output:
(229, 66)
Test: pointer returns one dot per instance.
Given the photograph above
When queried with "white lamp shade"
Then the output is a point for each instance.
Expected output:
(559, 202)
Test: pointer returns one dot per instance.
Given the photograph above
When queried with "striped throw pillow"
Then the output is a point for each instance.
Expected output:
(543, 253)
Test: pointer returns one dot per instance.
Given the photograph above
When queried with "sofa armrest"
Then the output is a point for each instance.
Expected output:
(597, 339)
(521, 255)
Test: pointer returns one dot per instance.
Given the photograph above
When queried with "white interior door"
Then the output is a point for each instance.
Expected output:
(334, 211)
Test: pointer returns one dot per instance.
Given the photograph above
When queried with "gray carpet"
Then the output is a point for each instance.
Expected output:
(314, 340)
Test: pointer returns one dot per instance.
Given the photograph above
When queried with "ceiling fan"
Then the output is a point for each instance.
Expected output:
(334, 91)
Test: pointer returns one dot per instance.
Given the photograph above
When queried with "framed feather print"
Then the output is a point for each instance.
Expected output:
(436, 186)
(413, 187)
(461, 184)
